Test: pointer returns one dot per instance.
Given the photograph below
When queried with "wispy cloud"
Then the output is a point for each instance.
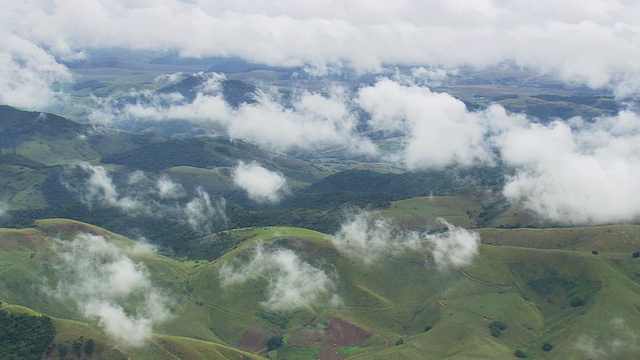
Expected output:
(619, 342)
(99, 188)
(144, 195)
(455, 247)
(110, 288)
(292, 282)
(312, 121)
(368, 236)
(201, 211)
(168, 189)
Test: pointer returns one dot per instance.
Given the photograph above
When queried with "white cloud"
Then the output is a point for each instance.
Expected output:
(578, 174)
(261, 185)
(167, 189)
(27, 73)
(368, 236)
(109, 287)
(99, 188)
(439, 129)
(293, 283)
(574, 172)
(314, 121)
(145, 195)
(455, 247)
(618, 342)
(200, 212)
(593, 42)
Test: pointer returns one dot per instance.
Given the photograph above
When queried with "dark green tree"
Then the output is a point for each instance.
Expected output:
(89, 347)
(274, 343)
(62, 351)
(77, 346)
(520, 354)
(576, 302)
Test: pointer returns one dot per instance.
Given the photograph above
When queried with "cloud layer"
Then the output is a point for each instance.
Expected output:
(588, 41)
(109, 287)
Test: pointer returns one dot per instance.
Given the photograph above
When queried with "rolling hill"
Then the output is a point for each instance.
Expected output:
(402, 305)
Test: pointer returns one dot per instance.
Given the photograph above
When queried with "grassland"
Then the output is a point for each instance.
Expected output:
(416, 213)
(527, 278)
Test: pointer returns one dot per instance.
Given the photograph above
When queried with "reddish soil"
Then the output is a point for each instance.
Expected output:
(254, 341)
(310, 339)
(342, 333)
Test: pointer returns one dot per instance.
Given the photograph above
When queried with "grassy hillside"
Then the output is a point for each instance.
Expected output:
(79, 340)
(542, 285)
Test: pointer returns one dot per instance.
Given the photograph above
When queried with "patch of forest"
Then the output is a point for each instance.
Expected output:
(23, 336)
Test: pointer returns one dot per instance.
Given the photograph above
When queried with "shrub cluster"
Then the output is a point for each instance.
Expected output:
(496, 328)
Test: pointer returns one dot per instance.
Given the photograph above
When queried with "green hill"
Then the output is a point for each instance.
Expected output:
(576, 301)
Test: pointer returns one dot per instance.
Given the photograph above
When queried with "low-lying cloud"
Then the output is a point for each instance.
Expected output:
(292, 282)
(108, 287)
(312, 121)
(618, 342)
(27, 74)
(168, 189)
(438, 128)
(369, 236)
(144, 195)
(98, 188)
(571, 172)
(261, 185)
(201, 211)
(455, 247)
(578, 171)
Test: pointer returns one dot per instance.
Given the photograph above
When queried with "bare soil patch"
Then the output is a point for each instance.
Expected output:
(341, 333)
(307, 338)
(254, 341)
